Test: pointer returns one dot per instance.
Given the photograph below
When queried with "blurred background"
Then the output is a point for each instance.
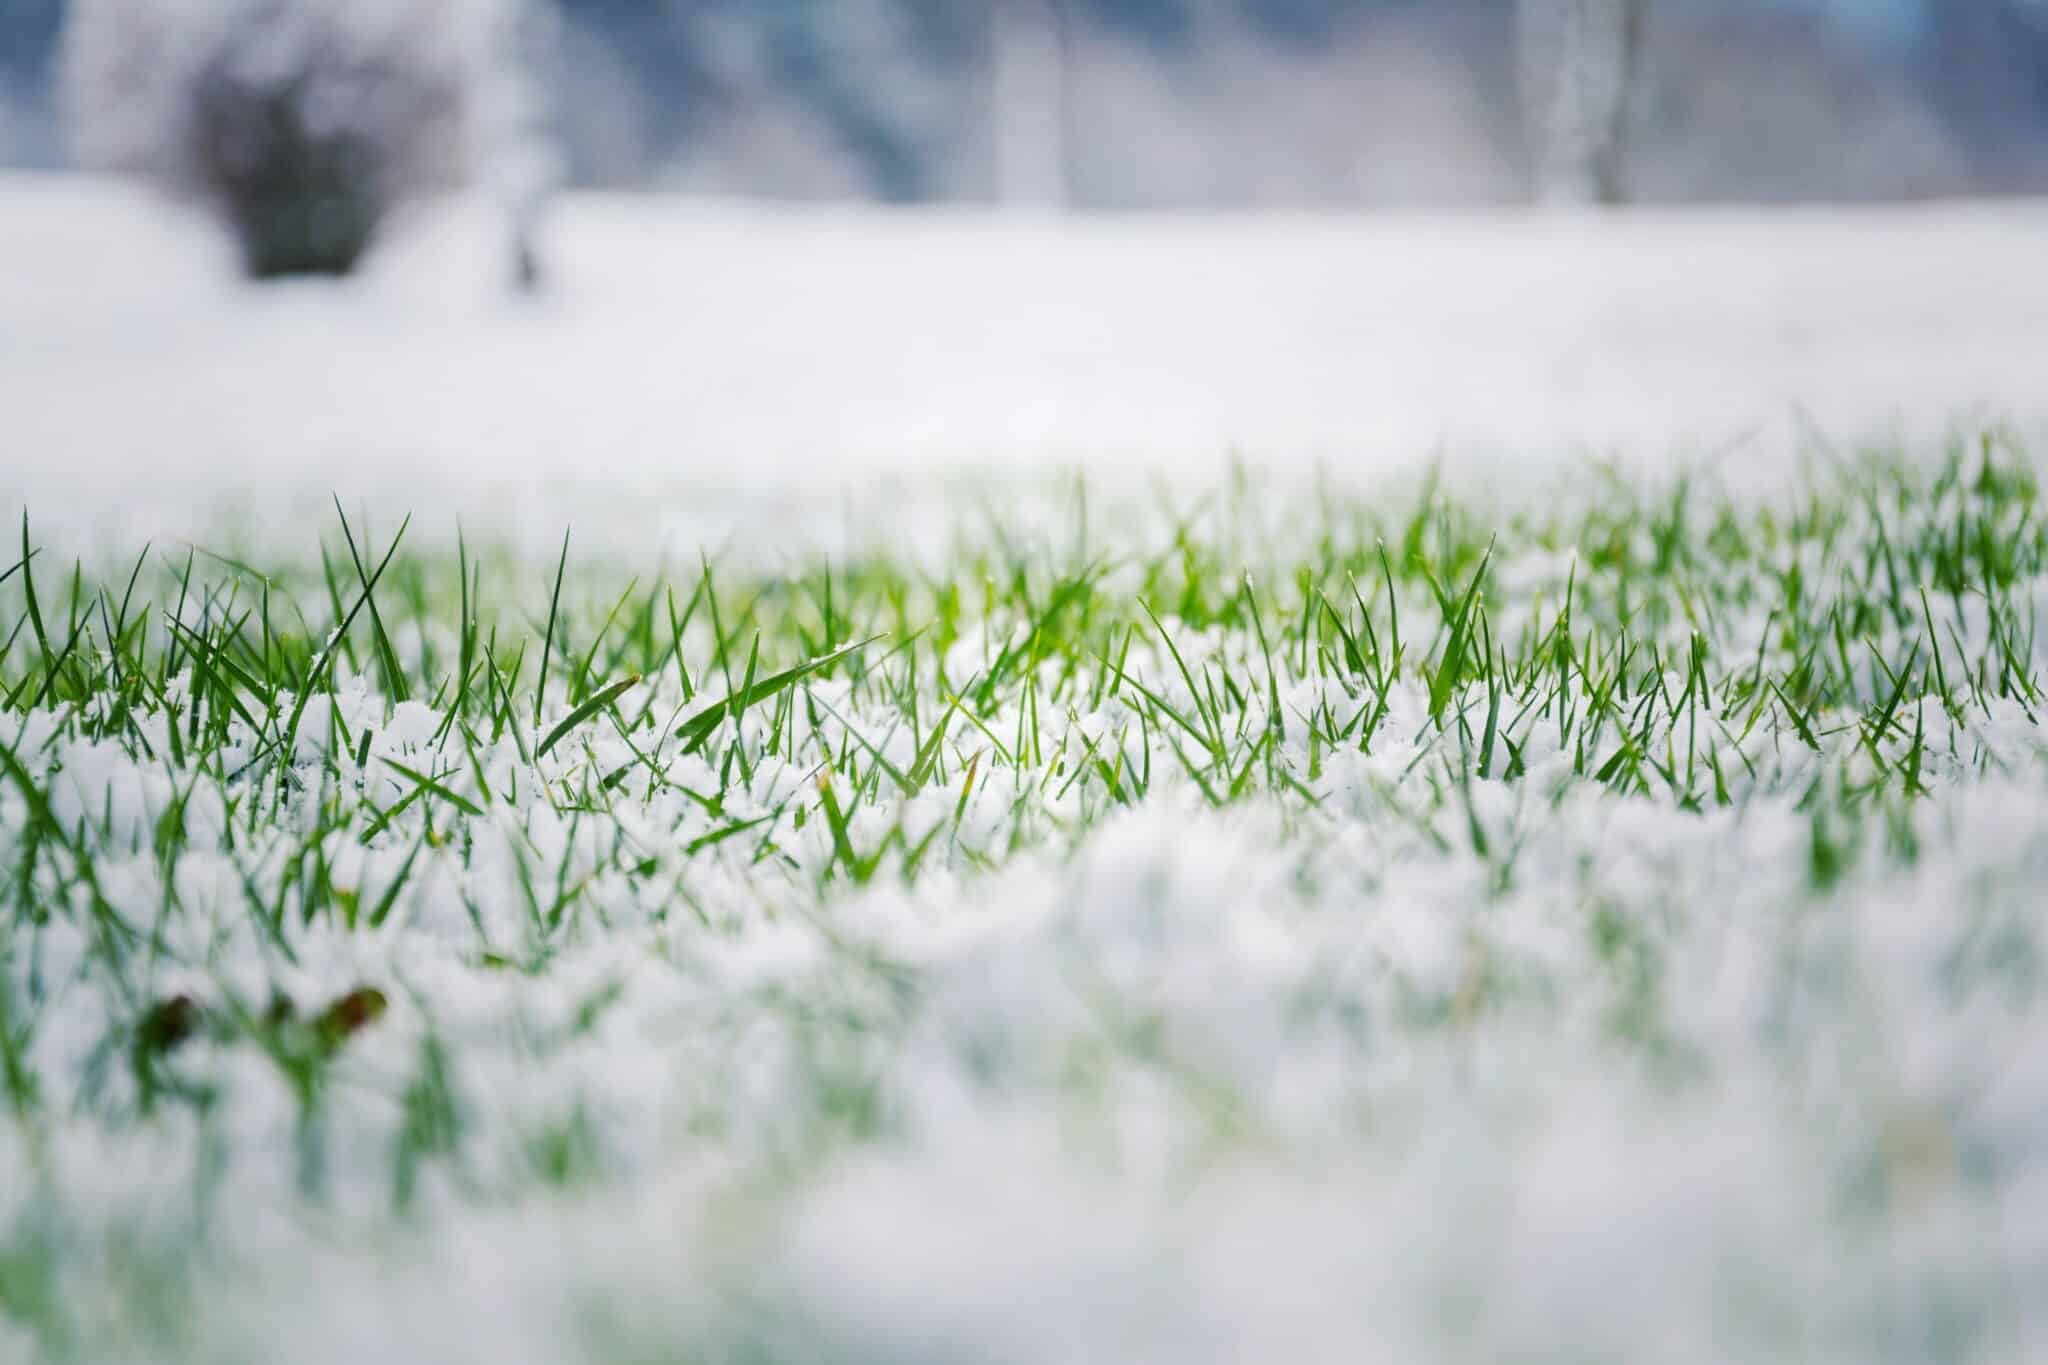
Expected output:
(1121, 104)
(1148, 234)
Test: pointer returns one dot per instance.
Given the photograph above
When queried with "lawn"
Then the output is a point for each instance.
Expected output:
(1221, 922)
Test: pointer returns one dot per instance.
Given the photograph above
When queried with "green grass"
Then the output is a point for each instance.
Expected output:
(216, 777)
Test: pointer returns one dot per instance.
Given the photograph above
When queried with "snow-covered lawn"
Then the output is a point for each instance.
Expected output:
(950, 865)
(700, 368)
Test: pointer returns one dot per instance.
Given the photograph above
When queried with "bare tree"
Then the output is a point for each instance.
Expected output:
(1578, 62)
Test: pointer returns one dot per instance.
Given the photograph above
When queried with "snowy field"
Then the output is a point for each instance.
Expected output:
(1211, 790)
(733, 367)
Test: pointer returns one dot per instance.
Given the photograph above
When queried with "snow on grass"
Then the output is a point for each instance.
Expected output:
(948, 867)
(1260, 924)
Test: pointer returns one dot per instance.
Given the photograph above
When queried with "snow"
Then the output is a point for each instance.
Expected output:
(1201, 1088)
(699, 368)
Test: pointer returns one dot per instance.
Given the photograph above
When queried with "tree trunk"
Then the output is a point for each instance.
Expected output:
(514, 124)
(1577, 61)
(1028, 99)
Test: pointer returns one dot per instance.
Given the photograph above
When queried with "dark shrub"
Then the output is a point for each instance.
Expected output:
(302, 124)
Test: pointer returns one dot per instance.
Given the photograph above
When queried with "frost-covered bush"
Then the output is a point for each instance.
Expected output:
(301, 123)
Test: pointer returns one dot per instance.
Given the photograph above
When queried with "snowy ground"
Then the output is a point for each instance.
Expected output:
(1281, 913)
(732, 361)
